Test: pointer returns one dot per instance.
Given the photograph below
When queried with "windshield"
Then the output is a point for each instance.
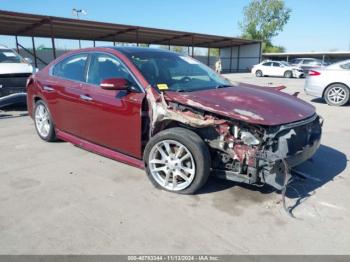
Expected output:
(8, 56)
(170, 71)
(284, 63)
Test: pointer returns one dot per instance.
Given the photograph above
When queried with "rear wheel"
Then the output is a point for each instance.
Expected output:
(258, 73)
(177, 160)
(288, 74)
(43, 122)
(337, 95)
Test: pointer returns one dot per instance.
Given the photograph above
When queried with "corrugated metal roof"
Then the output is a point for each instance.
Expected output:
(23, 24)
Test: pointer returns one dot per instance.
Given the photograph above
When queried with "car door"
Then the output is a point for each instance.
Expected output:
(112, 118)
(277, 69)
(63, 91)
(266, 68)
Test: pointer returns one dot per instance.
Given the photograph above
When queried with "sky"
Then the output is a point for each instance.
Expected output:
(315, 25)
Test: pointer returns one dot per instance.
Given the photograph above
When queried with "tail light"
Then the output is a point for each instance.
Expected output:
(314, 73)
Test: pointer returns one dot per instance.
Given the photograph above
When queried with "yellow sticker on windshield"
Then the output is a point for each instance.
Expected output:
(162, 86)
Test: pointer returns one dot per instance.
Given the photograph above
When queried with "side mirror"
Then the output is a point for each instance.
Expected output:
(115, 84)
(28, 60)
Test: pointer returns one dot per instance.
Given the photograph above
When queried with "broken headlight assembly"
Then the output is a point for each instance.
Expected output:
(249, 139)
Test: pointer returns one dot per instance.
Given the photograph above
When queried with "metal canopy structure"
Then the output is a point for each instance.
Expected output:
(236, 54)
(22, 24)
(329, 56)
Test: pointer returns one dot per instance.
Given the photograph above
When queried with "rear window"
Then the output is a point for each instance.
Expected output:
(8, 56)
(72, 68)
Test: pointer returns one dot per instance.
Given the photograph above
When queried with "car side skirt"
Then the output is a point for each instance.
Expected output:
(120, 157)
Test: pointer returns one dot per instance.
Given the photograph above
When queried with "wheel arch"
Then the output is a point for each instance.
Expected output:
(333, 83)
(163, 125)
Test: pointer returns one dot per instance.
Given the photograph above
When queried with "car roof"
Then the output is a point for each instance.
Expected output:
(271, 61)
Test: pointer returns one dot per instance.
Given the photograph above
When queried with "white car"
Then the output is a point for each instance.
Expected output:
(277, 68)
(331, 83)
(14, 71)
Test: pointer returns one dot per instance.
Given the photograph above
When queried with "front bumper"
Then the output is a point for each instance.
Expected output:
(13, 89)
(297, 142)
(298, 74)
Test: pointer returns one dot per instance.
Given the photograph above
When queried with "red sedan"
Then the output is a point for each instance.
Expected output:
(173, 116)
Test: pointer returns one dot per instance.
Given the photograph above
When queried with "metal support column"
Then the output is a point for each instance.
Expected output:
(113, 43)
(53, 41)
(192, 47)
(16, 38)
(188, 50)
(238, 57)
(260, 51)
(137, 37)
(208, 58)
(169, 45)
(94, 42)
(34, 52)
(231, 53)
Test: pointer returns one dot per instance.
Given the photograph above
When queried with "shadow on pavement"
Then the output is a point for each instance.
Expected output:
(326, 164)
(320, 100)
(13, 111)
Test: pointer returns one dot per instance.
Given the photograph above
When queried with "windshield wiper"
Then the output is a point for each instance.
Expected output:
(222, 86)
(181, 90)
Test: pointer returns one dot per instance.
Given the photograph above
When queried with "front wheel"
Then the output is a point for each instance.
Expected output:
(177, 160)
(337, 95)
(288, 74)
(43, 122)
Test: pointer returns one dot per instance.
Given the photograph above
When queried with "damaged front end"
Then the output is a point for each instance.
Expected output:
(258, 154)
(240, 151)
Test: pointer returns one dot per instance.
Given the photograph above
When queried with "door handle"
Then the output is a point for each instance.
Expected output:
(49, 89)
(86, 98)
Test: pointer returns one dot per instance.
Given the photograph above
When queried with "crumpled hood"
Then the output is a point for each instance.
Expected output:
(252, 104)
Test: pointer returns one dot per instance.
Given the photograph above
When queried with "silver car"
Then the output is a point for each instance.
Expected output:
(331, 83)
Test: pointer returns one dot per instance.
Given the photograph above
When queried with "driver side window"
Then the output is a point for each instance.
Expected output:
(103, 66)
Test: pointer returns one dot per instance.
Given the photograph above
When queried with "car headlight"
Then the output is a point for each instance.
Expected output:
(249, 139)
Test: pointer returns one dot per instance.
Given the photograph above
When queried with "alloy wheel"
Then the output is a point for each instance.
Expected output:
(336, 94)
(172, 165)
(42, 120)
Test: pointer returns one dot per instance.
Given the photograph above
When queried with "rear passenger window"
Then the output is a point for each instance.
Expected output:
(267, 64)
(72, 68)
(276, 64)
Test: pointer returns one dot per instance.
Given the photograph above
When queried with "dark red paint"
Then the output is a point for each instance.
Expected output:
(110, 124)
(264, 106)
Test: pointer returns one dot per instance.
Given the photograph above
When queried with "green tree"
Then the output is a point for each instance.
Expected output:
(263, 20)
(273, 49)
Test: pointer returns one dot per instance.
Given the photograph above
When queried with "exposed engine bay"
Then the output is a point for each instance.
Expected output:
(241, 151)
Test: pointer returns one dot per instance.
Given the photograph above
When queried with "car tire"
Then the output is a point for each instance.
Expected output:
(258, 73)
(43, 122)
(337, 95)
(288, 74)
(163, 162)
